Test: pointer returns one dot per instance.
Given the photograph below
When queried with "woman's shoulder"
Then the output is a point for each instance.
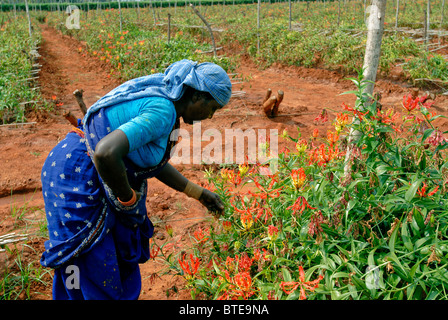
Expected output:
(157, 101)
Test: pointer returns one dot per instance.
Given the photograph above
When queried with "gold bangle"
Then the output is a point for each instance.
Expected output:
(130, 202)
(193, 190)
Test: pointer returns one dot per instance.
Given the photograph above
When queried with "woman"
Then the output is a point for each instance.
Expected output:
(94, 181)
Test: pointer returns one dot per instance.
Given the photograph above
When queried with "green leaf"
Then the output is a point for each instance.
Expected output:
(426, 134)
(412, 190)
(286, 275)
(405, 236)
(399, 268)
(392, 240)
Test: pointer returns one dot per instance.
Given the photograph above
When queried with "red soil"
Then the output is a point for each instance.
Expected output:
(64, 69)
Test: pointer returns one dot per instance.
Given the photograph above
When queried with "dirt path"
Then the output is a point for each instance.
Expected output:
(64, 69)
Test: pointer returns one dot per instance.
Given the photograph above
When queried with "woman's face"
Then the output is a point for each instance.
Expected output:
(199, 109)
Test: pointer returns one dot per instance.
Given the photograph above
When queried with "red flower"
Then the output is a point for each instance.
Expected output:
(355, 112)
(437, 138)
(154, 249)
(200, 236)
(189, 268)
(332, 137)
(298, 178)
(227, 225)
(315, 224)
(300, 205)
(244, 263)
(291, 286)
(272, 232)
(409, 103)
(322, 117)
(422, 191)
(265, 192)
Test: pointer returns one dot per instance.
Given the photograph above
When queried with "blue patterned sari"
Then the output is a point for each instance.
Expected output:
(88, 227)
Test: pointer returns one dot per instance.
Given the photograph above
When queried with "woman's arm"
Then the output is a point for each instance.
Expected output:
(108, 159)
(174, 179)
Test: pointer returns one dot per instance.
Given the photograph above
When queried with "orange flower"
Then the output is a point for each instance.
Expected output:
(235, 178)
(332, 138)
(247, 220)
(291, 286)
(265, 192)
(243, 281)
(227, 225)
(410, 104)
(315, 133)
(300, 205)
(225, 174)
(244, 263)
(322, 117)
(301, 145)
(355, 112)
(422, 191)
(298, 178)
(315, 223)
(201, 235)
(154, 249)
(272, 232)
(190, 269)
(340, 122)
(326, 154)
(169, 230)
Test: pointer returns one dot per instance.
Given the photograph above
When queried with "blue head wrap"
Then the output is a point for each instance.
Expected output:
(206, 76)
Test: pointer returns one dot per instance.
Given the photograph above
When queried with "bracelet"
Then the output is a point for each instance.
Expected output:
(130, 202)
(193, 190)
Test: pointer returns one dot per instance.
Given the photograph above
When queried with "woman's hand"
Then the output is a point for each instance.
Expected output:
(212, 202)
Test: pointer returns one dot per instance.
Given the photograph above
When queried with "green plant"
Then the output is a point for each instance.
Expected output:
(19, 279)
(309, 231)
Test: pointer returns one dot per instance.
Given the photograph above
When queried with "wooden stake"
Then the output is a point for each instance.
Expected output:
(208, 27)
(268, 94)
(268, 105)
(280, 95)
(78, 95)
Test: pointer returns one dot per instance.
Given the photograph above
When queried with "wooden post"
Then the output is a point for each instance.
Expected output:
(169, 27)
(443, 8)
(153, 13)
(428, 20)
(370, 67)
(290, 14)
(373, 45)
(339, 12)
(396, 14)
(28, 16)
(258, 26)
(121, 17)
(208, 27)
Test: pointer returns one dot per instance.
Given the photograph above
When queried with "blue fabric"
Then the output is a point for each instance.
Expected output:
(110, 270)
(87, 226)
(147, 123)
(206, 76)
(75, 205)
